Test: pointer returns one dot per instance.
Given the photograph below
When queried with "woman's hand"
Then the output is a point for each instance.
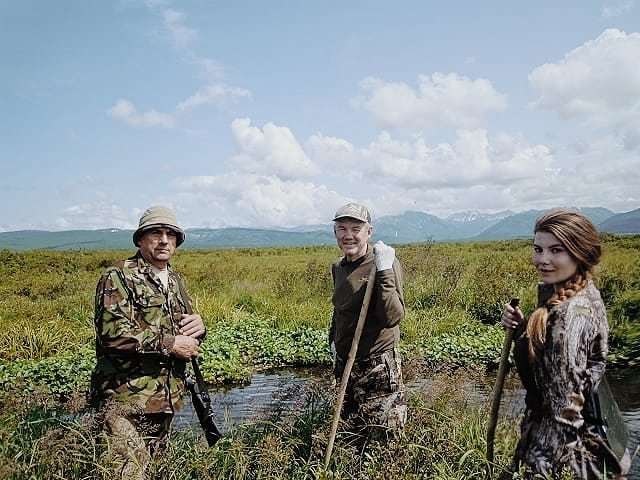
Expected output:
(511, 317)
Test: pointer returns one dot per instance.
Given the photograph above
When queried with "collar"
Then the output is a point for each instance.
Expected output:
(144, 266)
(359, 261)
(146, 269)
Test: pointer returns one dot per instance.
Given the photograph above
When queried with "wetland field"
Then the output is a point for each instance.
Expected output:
(268, 309)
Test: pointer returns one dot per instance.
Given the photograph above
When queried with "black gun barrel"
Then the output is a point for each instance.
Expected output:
(202, 405)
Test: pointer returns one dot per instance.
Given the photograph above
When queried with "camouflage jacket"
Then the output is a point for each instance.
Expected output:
(136, 320)
(558, 430)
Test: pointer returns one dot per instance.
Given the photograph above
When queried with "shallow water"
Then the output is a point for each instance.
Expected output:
(283, 390)
(268, 392)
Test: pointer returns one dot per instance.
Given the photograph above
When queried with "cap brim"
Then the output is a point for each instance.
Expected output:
(340, 217)
(180, 235)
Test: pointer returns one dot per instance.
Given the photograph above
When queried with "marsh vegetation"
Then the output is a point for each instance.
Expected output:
(266, 308)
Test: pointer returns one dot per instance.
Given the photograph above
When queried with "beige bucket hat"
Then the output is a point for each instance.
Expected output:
(158, 216)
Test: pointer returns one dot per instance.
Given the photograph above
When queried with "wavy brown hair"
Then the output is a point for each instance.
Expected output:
(580, 237)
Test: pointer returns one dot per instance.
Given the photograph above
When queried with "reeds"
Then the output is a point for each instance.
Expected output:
(444, 439)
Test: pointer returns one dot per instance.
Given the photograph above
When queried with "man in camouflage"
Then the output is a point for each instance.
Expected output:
(375, 403)
(144, 337)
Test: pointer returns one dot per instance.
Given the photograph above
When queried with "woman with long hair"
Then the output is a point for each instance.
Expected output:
(560, 354)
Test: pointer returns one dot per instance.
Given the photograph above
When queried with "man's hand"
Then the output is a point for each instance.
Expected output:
(185, 347)
(192, 325)
(384, 255)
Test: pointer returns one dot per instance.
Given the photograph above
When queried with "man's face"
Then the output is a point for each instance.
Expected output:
(157, 246)
(352, 236)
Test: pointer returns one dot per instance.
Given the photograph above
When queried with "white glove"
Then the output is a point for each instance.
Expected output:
(384, 255)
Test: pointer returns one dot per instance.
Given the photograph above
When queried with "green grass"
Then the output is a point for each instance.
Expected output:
(267, 308)
(444, 439)
(271, 307)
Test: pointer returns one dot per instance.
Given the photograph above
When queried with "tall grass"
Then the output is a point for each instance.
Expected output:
(453, 294)
(444, 439)
(46, 298)
(269, 307)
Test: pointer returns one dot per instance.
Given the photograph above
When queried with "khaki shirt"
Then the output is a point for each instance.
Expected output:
(136, 319)
(386, 309)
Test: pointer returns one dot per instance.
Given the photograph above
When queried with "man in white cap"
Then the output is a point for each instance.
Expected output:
(144, 337)
(375, 404)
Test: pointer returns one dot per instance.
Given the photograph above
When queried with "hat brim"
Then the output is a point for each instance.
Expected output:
(180, 235)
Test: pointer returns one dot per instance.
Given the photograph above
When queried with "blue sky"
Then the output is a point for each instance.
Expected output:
(275, 113)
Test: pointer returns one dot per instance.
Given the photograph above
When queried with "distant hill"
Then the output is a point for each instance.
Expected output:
(520, 225)
(197, 238)
(409, 227)
(471, 223)
(253, 237)
(413, 227)
(628, 222)
(111, 238)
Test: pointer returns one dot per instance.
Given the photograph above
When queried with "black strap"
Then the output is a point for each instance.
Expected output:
(198, 375)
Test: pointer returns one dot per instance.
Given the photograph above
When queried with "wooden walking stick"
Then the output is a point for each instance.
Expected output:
(350, 361)
(497, 389)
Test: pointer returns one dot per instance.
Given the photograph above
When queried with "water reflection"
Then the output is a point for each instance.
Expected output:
(283, 390)
(268, 392)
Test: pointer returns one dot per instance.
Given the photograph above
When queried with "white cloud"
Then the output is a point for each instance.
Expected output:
(598, 81)
(216, 92)
(100, 213)
(617, 8)
(237, 199)
(175, 23)
(473, 159)
(126, 111)
(211, 69)
(213, 94)
(271, 150)
(585, 180)
(440, 100)
(334, 152)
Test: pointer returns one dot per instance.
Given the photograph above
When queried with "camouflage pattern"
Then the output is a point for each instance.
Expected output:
(558, 432)
(135, 323)
(133, 439)
(375, 403)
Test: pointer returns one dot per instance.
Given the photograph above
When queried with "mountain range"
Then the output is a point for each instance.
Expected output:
(409, 227)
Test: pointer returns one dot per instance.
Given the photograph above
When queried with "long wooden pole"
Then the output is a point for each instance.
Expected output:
(350, 361)
(497, 388)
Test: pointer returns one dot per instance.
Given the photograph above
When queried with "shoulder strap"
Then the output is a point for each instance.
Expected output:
(183, 294)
